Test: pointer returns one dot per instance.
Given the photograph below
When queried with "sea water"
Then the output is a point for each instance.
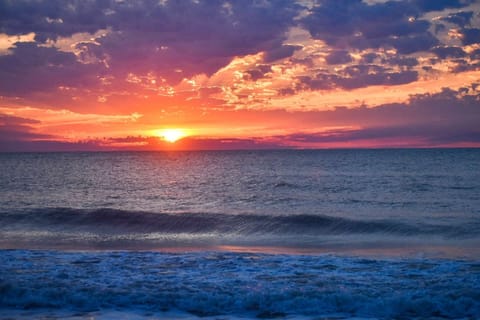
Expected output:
(241, 234)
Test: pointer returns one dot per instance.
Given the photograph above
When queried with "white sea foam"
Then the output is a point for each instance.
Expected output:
(211, 284)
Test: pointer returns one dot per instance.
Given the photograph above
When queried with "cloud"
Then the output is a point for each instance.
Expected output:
(92, 48)
(470, 36)
(414, 43)
(357, 76)
(460, 18)
(391, 24)
(230, 144)
(259, 72)
(338, 57)
(449, 52)
(369, 57)
(401, 61)
(139, 143)
(282, 52)
(446, 118)
(196, 38)
(31, 68)
(192, 29)
(172, 40)
(475, 54)
(438, 5)
(415, 135)
(397, 36)
(184, 61)
(8, 120)
(15, 131)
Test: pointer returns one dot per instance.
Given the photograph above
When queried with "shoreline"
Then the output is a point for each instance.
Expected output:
(447, 252)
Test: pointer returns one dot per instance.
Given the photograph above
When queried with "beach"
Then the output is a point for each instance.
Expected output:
(297, 235)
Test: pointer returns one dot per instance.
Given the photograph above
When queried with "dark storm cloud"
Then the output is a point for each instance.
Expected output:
(355, 24)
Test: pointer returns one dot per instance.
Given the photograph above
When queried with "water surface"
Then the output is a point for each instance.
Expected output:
(296, 234)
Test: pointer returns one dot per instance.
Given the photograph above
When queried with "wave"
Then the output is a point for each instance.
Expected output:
(113, 221)
(51, 284)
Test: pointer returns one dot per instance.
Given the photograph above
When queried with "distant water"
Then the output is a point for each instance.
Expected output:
(300, 233)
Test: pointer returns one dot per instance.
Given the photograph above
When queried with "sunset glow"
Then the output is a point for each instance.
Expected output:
(239, 74)
(240, 159)
(171, 135)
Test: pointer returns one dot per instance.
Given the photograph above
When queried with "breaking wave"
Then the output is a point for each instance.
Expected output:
(230, 285)
(117, 221)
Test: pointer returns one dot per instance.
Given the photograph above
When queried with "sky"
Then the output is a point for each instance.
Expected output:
(238, 74)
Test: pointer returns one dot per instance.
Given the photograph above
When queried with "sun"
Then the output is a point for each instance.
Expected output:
(170, 135)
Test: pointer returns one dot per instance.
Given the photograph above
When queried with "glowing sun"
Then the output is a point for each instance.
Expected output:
(171, 135)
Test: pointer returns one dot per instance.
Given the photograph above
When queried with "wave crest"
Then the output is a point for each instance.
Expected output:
(113, 221)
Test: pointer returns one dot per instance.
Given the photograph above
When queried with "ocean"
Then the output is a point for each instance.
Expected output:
(284, 234)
